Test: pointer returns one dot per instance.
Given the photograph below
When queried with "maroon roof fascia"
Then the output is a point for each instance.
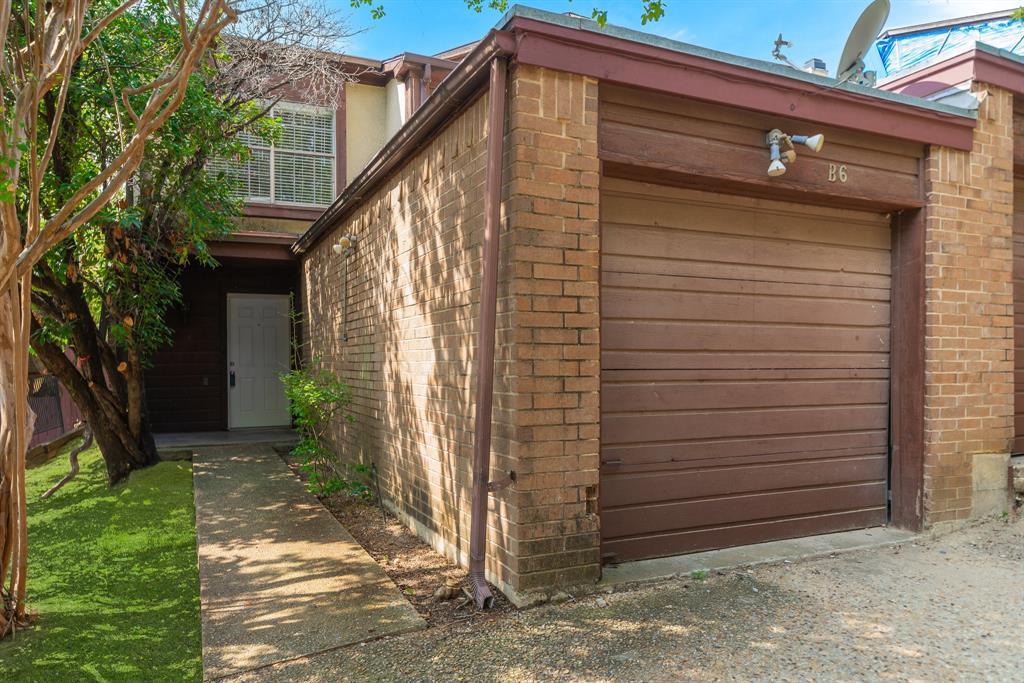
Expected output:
(253, 244)
(628, 62)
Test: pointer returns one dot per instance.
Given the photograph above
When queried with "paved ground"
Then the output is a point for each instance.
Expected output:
(945, 609)
(279, 577)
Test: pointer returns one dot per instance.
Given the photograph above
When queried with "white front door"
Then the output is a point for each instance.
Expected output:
(257, 355)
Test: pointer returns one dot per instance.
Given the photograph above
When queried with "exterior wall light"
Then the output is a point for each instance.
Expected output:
(344, 245)
(781, 148)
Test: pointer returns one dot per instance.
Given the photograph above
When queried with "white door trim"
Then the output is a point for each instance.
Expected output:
(278, 415)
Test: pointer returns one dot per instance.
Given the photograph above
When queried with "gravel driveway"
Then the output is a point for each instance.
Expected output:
(943, 609)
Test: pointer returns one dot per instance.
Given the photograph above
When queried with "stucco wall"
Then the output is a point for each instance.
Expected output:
(365, 126)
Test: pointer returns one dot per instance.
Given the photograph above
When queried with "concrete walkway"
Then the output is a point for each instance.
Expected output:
(934, 609)
(279, 576)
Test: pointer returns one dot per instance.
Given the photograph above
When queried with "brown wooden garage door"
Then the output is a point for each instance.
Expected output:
(745, 370)
(1018, 314)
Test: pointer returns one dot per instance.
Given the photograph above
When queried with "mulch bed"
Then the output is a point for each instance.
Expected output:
(414, 566)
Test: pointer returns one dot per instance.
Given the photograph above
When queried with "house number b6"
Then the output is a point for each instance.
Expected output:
(837, 173)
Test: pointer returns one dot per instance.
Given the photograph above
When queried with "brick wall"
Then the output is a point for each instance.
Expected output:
(552, 220)
(969, 317)
(412, 320)
(413, 308)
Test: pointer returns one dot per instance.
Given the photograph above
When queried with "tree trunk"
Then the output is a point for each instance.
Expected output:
(124, 450)
(15, 424)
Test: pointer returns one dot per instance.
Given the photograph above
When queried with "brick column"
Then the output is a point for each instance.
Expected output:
(968, 409)
(552, 231)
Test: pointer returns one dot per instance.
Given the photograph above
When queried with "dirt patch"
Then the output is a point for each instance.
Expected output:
(414, 566)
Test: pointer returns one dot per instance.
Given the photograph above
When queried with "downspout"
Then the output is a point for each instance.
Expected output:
(485, 336)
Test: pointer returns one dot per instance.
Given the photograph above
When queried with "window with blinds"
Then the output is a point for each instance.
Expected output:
(297, 169)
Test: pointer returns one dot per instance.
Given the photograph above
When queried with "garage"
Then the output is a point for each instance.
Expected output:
(744, 369)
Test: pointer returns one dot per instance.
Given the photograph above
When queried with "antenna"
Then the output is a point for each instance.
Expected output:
(780, 43)
(867, 28)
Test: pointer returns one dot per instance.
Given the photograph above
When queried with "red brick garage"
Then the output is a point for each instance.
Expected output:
(801, 355)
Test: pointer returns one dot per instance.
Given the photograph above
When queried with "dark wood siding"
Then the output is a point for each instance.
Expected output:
(186, 387)
(676, 141)
(745, 369)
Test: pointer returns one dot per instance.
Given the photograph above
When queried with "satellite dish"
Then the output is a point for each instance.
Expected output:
(862, 37)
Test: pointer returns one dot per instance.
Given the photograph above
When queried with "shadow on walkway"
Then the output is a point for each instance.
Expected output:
(279, 576)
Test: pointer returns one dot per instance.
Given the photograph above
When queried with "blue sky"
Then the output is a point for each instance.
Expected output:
(817, 28)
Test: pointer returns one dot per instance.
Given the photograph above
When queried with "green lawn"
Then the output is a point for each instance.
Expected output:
(113, 577)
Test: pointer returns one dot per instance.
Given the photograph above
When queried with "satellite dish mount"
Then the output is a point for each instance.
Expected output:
(862, 37)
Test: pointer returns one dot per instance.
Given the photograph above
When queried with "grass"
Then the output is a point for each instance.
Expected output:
(112, 576)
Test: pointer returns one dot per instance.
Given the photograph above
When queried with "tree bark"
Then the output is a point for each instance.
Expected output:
(15, 425)
(123, 449)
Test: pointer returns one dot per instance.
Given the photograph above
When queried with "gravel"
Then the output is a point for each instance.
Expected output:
(944, 608)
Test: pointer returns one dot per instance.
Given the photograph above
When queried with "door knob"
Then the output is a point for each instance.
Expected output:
(231, 378)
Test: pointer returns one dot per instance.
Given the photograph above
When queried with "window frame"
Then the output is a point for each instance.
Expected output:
(272, 149)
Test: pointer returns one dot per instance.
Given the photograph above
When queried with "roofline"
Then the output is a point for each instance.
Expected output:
(636, 59)
(959, 21)
(983, 63)
(458, 49)
(460, 86)
(401, 63)
(649, 44)
(259, 237)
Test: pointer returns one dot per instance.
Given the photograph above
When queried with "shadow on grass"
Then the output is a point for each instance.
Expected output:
(113, 577)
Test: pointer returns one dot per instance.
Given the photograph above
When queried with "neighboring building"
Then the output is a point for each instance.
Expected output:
(231, 335)
(690, 354)
(906, 49)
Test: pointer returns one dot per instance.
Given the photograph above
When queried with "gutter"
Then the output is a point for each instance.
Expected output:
(456, 89)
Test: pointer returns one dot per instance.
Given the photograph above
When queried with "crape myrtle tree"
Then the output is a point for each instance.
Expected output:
(103, 293)
(41, 44)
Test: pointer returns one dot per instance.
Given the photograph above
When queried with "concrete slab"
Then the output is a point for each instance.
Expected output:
(279, 576)
(277, 436)
(749, 555)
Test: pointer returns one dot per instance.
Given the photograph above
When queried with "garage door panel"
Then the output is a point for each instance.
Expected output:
(650, 304)
(745, 369)
(636, 279)
(706, 396)
(644, 488)
(673, 456)
(612, 376)
(726, 216)
(660, 336)
(612, 360)
(686, 245)
(612, 263)
(737, 509)
(639, 428)
(696, 540)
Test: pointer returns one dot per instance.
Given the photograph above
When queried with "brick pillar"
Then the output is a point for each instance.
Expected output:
(551, 216)
(968, 409)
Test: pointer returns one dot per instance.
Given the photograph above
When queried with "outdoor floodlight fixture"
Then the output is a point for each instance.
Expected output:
(345, 245)
(781, 148)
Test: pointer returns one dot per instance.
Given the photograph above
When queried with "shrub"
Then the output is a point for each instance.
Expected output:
(316, 396)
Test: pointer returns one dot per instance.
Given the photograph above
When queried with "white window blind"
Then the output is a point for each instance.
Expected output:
(297, 169)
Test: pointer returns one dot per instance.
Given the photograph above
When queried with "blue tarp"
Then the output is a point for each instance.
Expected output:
(910, 51)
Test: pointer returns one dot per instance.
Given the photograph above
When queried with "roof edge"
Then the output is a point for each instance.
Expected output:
(458, 87)
(759, 65)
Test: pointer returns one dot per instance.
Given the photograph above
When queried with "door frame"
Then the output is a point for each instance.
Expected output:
(229, 338)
